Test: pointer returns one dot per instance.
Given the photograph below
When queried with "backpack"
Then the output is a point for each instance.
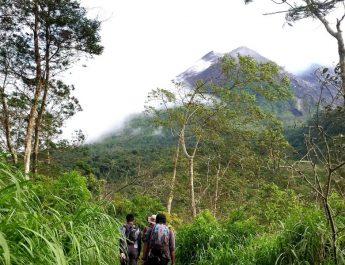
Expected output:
(159, 240)
(131, 233)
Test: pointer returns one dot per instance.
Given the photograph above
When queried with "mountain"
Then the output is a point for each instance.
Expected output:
(244, 51)
(305, 86)
(140, 145)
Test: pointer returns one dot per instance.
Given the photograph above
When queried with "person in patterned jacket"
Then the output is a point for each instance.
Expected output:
(160, 243)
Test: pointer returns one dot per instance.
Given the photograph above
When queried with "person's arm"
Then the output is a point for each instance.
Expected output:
(172, 256)
(139, 244)
(122, 244)
(172, 247)
(146, 237)
(122, 241)
(145, 250)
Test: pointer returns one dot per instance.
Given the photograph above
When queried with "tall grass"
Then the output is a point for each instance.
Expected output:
(301, 238)
(53, 222)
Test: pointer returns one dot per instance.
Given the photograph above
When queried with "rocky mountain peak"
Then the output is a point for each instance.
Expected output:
(305, 86)
(245, 51)
(211, 56)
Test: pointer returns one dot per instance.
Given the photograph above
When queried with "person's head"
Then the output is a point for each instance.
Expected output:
(161, 218)
(130, 218)
(152, 219)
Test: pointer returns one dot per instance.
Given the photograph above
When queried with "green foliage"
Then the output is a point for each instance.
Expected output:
(41, 222)
(71, 187)
(304, 238)
(262, 79)
(94, 185)
(141, 206)
(333, 123)
(300, 239)
(269, 201)
(276, 229)
(64, 33)
(120, 154)
(197, 238)
(240, 228)
(337, 203)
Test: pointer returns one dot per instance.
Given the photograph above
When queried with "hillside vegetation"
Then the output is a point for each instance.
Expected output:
(54, 221)
(246, 160)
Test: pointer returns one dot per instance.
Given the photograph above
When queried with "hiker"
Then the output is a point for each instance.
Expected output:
(159, 245)
(131, 246)
(151, 220)
(146, 232)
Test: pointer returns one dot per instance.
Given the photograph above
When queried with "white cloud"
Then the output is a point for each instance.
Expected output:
(148, 43)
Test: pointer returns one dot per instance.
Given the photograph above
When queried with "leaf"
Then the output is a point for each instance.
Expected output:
(6, 254)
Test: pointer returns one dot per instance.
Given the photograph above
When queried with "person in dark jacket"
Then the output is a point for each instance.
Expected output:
(151, 220)
(130, 244)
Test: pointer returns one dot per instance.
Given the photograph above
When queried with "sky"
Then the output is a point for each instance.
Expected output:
(147, 43)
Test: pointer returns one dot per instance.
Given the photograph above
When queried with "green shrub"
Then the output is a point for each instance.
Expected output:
(273, 205)
(241, 228)
(196, 239)
(141, 206)
(300, 239)
(304, 238)
(53, 222)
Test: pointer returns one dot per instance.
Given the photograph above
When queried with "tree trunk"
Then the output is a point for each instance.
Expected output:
(191, 185)
(338, 35)
(44, 98)
(341, 52)
(7, 127)
(191, 167)
(33, 110)
(216, 192)
(28, 136)
(36, 147)
(38, 128)
(173, 179)
(48, 149)
(333, 229)
(48, 157)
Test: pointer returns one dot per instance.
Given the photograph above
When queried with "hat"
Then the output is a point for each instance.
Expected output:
(152, 219)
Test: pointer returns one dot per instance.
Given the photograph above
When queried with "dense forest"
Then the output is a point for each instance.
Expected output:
(244, 174)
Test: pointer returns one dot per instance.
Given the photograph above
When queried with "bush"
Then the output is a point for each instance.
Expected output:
(53, 222)
(141, 206)
(304, 238)
(300, 239)
(196, 239)
(241, 228)
(273, 205)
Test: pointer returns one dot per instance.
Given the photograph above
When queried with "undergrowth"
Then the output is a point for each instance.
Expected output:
(53, 221)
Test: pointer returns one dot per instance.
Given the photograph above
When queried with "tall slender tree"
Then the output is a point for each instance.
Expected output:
(209, 110)
(50, 36)
(320, 10)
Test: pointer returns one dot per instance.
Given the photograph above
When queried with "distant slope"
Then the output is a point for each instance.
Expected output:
(305, 86)
(139, 144)
(136, 144)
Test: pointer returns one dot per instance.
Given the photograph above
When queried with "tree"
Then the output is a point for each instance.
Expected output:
(6, 30)
(320, 10)
(47, 37)
(323, 150)
(60, 106)
(324, 155)
(212, 109)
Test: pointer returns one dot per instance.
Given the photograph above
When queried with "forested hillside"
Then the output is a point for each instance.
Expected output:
(246, 160)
